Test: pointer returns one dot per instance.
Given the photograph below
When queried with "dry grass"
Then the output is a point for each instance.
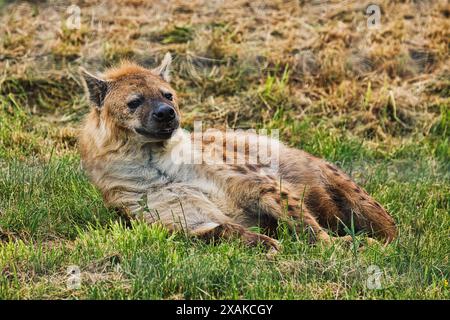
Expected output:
(379, 83)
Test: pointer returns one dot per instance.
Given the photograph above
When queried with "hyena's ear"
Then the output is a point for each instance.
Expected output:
(164, 68)
(96, 87)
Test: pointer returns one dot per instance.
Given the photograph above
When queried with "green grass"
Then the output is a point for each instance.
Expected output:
(52, 218)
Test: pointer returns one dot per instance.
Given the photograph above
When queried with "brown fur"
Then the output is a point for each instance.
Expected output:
(220, 199)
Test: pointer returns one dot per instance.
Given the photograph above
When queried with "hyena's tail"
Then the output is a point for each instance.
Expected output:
(340, 202)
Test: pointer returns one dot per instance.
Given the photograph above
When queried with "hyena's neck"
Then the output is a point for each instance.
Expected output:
(113, 160)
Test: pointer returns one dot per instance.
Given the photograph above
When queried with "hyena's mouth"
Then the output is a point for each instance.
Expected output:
(165, 133)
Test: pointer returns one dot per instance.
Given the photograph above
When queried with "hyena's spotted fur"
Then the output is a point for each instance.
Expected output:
(211, 198)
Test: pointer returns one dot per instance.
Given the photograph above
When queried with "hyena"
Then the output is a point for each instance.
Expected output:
(135, 152)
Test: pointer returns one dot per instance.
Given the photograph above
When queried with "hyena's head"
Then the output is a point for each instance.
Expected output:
(136, 100)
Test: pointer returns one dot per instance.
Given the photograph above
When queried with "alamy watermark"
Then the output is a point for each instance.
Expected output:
(374, 277)
(73, 277)
(374, 19)
(233, 147)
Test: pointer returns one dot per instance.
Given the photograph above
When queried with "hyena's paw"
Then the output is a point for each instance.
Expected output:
(253, 239)
(368, 243)
(361, 242)
(231, 230)
(348, 241)
(250, 238)
(324, 238)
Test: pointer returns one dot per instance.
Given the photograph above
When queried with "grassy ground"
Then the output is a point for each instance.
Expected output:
(373, 101)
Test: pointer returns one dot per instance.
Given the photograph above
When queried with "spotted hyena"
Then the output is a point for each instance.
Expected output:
(215, 186)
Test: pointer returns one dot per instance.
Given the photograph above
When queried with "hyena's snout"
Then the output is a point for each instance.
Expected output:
(160, 122)
(164, 114)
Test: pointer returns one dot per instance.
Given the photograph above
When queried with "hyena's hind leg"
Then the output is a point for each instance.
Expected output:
(185, 208)
(265, 195)
(333, 198)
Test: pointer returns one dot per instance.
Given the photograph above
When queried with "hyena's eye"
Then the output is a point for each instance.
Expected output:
(135, 103)
(168, 96)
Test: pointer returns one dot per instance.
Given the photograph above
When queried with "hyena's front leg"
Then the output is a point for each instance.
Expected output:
(185, 208)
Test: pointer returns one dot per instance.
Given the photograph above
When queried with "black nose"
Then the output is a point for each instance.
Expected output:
(163, 113)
